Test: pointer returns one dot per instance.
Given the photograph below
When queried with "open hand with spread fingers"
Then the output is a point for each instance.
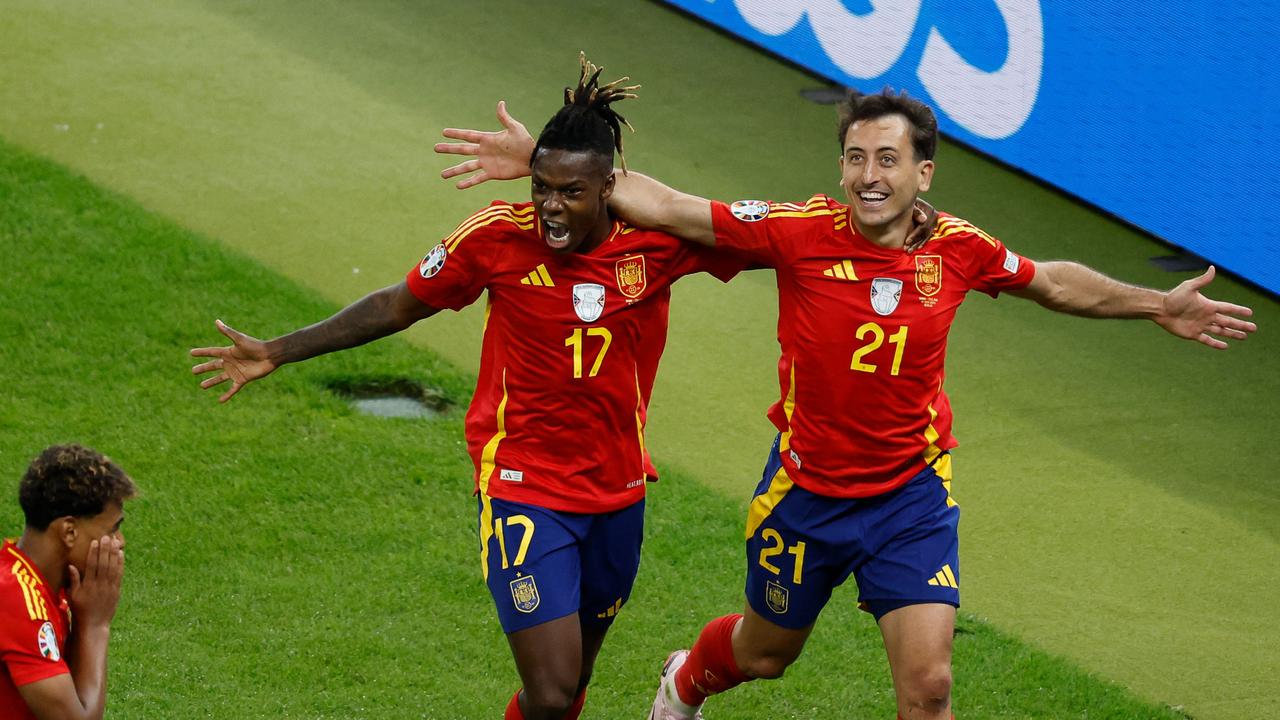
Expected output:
(1190, 315)
(501, 155)
(242, 362)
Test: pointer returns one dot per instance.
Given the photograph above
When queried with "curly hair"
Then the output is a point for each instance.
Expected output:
(71, 480)
(924, 125)
(588, 121)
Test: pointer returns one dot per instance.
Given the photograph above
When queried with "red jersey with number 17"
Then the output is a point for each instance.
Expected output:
(863, 331)
(34, 625)
(571, 347)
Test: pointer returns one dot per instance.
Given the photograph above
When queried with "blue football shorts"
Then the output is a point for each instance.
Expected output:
(901, 547)
(541, 564)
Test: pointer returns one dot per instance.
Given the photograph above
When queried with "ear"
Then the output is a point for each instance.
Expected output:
(606, 190)
(66, 530)
(926, 175)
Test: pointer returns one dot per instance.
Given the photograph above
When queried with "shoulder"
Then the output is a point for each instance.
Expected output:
(22, 600)
(818, 206)
(499, 221)
(958, 230)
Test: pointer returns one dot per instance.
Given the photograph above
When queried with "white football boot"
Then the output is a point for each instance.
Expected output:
(668, 705)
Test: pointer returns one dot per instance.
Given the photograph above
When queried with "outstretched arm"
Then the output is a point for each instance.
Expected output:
(374, 316)
(501, 155)
(1070, 287)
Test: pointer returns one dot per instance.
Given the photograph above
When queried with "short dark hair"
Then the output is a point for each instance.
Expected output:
(71, 480)
(587, 122)
(924, 126)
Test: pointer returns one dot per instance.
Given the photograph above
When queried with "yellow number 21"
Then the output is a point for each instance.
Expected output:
(876, 333)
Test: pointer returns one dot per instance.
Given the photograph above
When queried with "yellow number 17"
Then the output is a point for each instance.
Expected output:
(575, 341)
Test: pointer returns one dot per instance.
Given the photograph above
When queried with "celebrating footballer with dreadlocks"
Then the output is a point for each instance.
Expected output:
(576, 325)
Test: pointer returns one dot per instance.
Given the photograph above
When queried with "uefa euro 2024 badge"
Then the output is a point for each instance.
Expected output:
(749, 210)
(434, 260)
(48, 640)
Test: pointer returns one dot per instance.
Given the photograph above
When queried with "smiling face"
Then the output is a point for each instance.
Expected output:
(881, 177)
(570, 192)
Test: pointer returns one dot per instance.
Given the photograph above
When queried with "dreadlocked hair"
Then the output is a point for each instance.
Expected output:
(588, 121)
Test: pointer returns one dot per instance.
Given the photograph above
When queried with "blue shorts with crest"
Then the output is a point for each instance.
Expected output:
(541, 564)
(901, 547)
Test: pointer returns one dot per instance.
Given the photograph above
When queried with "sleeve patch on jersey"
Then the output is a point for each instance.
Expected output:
(48, 642)
(1010, 261)
(750, 210)
(434, 260)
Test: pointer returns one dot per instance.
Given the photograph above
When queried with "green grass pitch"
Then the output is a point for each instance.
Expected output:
(1118, 499)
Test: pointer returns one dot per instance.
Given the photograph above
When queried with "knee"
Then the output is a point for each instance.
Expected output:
(549, 700)
(767, 667)
(928, 688)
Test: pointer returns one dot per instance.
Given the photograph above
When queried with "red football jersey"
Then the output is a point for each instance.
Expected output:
(33, 630)
(571, 347)
(863, 331)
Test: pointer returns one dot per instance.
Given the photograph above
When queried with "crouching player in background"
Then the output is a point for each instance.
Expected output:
(66, 566)
(576, 324)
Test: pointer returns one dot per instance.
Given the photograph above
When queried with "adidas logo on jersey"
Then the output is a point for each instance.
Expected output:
(539, 277)
(842, 270)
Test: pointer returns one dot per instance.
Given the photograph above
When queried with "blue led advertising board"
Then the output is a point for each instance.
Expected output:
(1161, 112)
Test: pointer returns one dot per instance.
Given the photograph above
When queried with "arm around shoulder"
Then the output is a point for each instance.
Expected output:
(647, 203)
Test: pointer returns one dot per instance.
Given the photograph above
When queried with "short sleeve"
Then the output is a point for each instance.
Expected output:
(993, 268)
(452, 274)
(695, 258)
(744, 228)
(29, 649)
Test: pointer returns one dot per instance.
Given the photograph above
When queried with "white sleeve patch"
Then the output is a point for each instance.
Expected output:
(750, 210)
(1010, 261)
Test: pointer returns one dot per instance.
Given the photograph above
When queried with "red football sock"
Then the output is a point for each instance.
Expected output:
(576, 708)
(710, 667)
(513, 708)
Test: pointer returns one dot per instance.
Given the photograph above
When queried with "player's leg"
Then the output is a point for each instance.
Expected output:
(530, 557)
(792, 566)
(917, 639)
(549, 659)
(610, 558)
(911, 585)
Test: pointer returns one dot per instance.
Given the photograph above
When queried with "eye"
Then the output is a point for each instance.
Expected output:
(888, 160)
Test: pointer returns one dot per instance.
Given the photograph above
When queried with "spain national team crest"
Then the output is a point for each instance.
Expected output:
(631, 276)
(48, 640)
(588, 301)
(928, 274)
(434, 260)
(524, 593)
(885, 294)
(776, 597)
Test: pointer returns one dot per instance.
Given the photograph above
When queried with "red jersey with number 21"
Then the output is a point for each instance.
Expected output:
(863, 331)
(571, 347)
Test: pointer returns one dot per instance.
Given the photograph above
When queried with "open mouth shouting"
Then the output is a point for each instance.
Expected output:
(557, 234)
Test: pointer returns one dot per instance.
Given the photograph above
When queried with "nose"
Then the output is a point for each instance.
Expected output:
(553, 202)
(870, 173)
